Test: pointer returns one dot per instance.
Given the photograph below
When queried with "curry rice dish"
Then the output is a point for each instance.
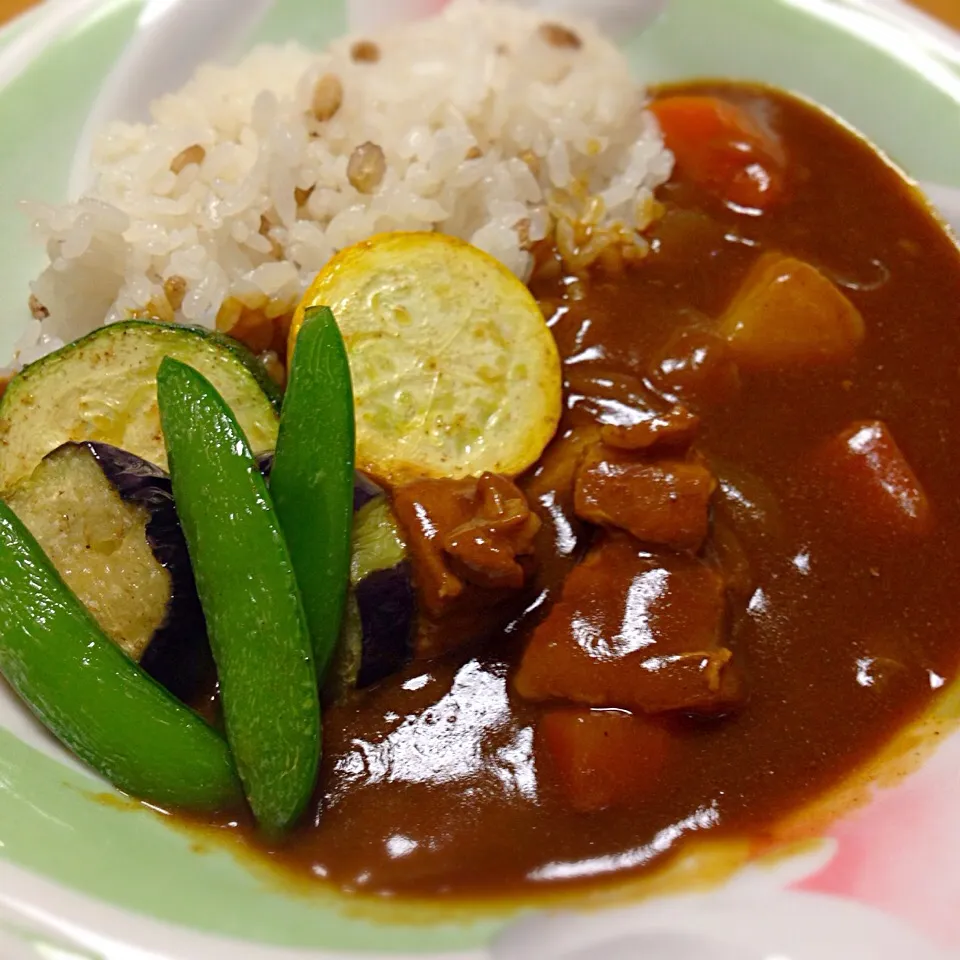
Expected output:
(663, 549)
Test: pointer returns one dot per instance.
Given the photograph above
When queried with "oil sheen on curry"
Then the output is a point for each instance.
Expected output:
(723, 585)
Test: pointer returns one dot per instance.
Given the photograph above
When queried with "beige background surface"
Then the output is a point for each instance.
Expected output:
(948, 10)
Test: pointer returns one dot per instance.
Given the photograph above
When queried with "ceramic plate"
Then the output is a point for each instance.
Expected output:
(82, 878)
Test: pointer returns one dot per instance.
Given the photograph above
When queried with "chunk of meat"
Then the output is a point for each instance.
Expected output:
(663, 502)
(557, 469)
(874, 481)
(601, 758)
(595, 395)
(720, 146)
(676, 428)
(786, 314)
(484, 549)
(464, 538)
(635, 631)
(696, 366)
(427, 511)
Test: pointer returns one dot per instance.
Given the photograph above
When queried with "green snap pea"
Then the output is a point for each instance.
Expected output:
(110, 713)
(312, 477)
(245, 579)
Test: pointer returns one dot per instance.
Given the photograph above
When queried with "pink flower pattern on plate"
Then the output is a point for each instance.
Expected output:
(901, 853)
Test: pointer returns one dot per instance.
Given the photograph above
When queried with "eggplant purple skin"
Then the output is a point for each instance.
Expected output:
(388, 612)
(265, 464)
(364, 489)
(386, 601)
(179, 654)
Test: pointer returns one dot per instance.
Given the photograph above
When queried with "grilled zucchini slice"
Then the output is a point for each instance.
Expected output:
(103, 388)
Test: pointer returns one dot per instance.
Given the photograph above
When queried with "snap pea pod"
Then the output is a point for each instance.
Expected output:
(312, 478)
(245, 579)
(110, 713)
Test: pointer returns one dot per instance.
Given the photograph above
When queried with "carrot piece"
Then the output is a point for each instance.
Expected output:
(875, 483)
(601, 758)
(721, 147)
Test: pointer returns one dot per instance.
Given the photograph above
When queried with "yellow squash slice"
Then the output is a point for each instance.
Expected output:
(455, 371)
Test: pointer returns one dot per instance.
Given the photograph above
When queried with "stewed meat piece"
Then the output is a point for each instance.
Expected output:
(662, 502)
(634, 630)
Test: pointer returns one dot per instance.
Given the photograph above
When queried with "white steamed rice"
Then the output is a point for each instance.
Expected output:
(489, 130)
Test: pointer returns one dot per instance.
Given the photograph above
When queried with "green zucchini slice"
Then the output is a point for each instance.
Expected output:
(103, 387)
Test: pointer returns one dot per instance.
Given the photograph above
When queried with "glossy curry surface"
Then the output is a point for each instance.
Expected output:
(838, 616)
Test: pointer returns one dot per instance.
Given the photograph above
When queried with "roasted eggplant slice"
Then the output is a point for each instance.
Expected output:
(379, 619)
(364, 490)
(381, 582)
(381, 606)
(387, 609)
(107, 521)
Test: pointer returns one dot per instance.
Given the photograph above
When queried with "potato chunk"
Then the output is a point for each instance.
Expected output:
(786, 314)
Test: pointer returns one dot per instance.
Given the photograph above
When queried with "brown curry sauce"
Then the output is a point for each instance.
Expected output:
(840, 623)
